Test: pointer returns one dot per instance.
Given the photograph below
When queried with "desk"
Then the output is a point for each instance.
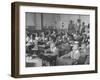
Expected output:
(33, 62)
(49, 57)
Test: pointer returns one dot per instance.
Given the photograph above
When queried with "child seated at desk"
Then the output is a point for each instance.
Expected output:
(72, 57)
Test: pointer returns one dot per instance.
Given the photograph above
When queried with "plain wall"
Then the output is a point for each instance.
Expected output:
(54, 20)
(5, 40)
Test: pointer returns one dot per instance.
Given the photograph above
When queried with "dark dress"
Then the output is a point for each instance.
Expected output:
(71, 29)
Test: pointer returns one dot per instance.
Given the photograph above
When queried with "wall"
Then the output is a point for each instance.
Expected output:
(5, 40)
(55, 20)
(30, 19)
(33, 20)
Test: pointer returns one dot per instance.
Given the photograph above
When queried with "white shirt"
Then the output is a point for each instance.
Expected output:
(75, 54)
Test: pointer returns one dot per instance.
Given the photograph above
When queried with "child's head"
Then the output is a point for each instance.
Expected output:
(83, 46)
(75, 46)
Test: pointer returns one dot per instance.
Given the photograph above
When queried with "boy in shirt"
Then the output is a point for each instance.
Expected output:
(72, 57)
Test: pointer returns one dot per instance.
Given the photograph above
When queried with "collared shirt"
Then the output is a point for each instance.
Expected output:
(75, 54)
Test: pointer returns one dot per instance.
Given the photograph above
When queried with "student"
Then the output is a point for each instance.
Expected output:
(30, 45)
(87, 61)
(72, 57)
(30, 41)
(75, 54)
(42, 37)
(83, 53)
(27, 38)
(51, 54)
(36, 37)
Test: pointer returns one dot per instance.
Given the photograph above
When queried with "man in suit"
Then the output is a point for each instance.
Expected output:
(78, 25)
(71, 27)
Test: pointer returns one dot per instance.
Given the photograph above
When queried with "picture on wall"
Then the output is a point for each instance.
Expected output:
(52, 39)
